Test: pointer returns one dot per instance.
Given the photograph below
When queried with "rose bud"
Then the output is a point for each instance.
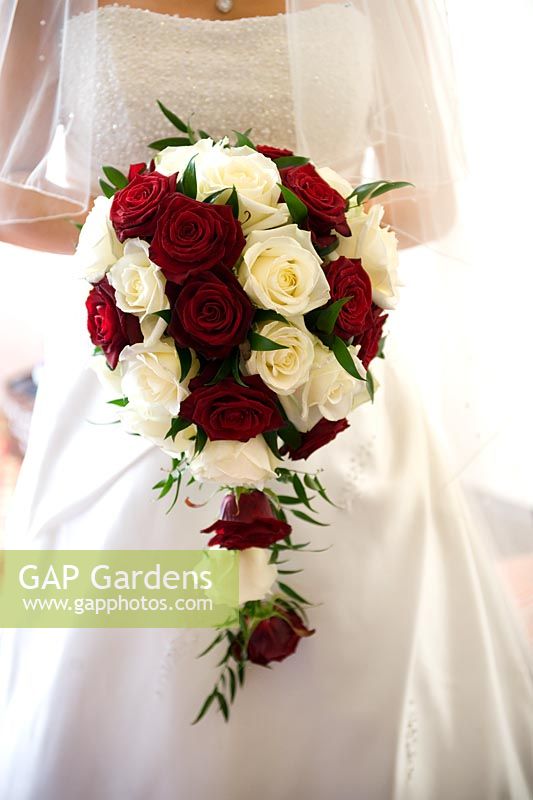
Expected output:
(326, 207)
(371, 336)
(247, 522)
(192, 237)
(320, 434)
(277, 637)
(228, 411)
(108, 326)
(212, 314)
(135, 208)
(273, 152)
(136, 169)
(347, 278)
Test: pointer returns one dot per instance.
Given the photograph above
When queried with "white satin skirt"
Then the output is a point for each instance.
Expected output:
(415, 686)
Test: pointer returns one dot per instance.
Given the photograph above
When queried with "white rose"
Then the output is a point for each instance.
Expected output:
(110, 379)
(256, 180)
(280, 270)
(155, 431)
(140, 288)
(228, 463)
(330, 391)
(175, 159)
(377, 248)
(336, 181)
(152, 379)
(256, 575)
(98, 247)
(283, 370)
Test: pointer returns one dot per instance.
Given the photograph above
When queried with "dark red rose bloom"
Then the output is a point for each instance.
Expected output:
(192, 237)
(326, 207)
(212, 313)
(273, 152)
(250, 522)
(108, 326)
(230, 411)
(371, 336)
(136, 169)
(320, 434)
(135, 208)
(276, 638)
(347, 278)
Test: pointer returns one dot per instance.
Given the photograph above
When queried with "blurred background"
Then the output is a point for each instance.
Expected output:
(494, 61)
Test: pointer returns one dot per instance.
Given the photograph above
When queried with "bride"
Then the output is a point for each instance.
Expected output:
(416, 684)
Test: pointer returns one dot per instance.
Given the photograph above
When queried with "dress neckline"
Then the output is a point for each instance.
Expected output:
(192, 20)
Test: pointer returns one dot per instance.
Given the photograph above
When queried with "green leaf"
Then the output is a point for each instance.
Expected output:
(381, 347)
(201, 441)
(222, 704)
(205, 708)
(368, 190)
(325, 251)
(177, 425)
(203, 135)
(185, 358)
(78, 225)
(232, 684)
(115, 176)
(188, 180)
(170, 141)
(326, 319)
(235, 370)
(214, 643)
(258, 342)
(307, 518)
(173, 118)
(344, 357)
(300, 491)
(290, 161)
(214, 196)
(223, 371)
(108, 190)
(233, 202)
(287, 500)
(97, 351)
(370, 385)
(291, 593)
(166, 314)
(297, 209)
(267, 315)
(242, 139)
(270, 438)
(121, 402)
(291, 436)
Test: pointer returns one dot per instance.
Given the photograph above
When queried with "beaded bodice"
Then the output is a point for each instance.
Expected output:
(225, 75)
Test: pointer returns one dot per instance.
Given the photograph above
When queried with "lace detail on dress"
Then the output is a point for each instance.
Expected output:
(357, 471)
(180, 647)
(411, 741)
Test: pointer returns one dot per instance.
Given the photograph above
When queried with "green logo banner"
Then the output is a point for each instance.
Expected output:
(118, 588)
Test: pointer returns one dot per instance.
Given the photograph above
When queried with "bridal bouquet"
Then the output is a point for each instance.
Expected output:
(237, 303)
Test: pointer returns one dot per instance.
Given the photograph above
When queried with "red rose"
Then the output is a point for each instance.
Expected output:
(108, 326)
(320, 434)
(277, 637)
(135, 208)
(347, 278)
(192, 237)
(136, 169)
(273, 152)
(326, 207)
(230, 411)
(371, 336)
(212, 313)
(250, 522)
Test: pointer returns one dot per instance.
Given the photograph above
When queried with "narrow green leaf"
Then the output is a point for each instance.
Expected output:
(297, 209)
(370, 385)
(326, 319)
(344, 357)
(258, 342)
(185, 359)
(235, 369)
(108, 190)
(205, 708)
(173, 118)
(170, 141)
(369, 190)
(201, 441)
(300, 491)
(292, 593)
(214, 196)
(267, 315)
(242, 139)
(325, 251)
(166, 314)
(223, 705)
(233, 202)
(290, 161)
(270, 438)
(176, 493)
(78, 225)
(203, 135)
(307, 518)
(188, 180)
(232, 684)
(241, 672)
(223, 371)
(214, 643)
(287, 500)
(115, 176)
(381, 347)
(177, 425)
(121, 402)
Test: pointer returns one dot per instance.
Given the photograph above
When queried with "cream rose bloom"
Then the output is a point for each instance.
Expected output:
(330, 391)
(175, 159)
(256, 180)
(336, 181)
(256, 575)
(228, 463)
(152, 379)
(280, 270)
(377, 248)
(155, 431)
(98, 247)
(140, 288)
(110, 379)
(283, 370)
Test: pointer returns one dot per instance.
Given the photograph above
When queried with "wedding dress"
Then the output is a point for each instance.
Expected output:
(416, 684)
